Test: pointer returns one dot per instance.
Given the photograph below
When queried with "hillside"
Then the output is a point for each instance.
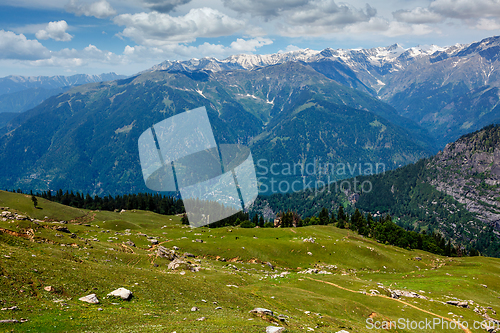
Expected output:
(316, 278)
(454, 193)
(286, 114)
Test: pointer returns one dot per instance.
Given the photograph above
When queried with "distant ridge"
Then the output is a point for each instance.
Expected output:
(15, 83)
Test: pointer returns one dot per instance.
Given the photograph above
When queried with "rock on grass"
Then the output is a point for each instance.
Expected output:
(92, 299)
(123, 293)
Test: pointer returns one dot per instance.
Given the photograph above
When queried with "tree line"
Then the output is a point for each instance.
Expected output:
(381, 228)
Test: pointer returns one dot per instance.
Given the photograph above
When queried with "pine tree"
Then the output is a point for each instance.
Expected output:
(35, 200)
(324, 217)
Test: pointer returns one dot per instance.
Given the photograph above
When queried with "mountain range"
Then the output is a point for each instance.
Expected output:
(449, 91)
(287, 113)
(386, 105)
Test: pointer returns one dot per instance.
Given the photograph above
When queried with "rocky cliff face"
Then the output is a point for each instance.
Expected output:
(469, 170)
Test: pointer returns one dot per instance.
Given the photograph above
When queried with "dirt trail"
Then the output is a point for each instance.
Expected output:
(465, 329)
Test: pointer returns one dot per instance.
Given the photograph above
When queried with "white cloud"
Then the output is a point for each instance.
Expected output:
(164, 6)
(264, 8)
(290, 48)
(321, 13)
(418, 15)
(56, 31)
(77, 58)
(99, 9)
(91, 56)
(14, 46)
(181, 51)
(242, 45)
(466, 9)
(322, 17)
(488, 24)
(390, 28)
(157, 29)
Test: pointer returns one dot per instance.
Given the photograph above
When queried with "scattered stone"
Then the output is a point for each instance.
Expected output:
(262, 311)
(309, 253)
(417, 258)
(282, 318)
(175, 248)
(99, 309)
(189, 255)
(13, 321)
(270, 265)
(194, 308)
(198, 240)
(123, 293)
(49, 288)
(178, 263)
(166, 253)
(483, 285)
(463, 304)
(154, 241)
(281, 275)
(62, 229)
(403, 293)
(129, 243)
(309, 240)
(218, 308)
(314, 271)
(12, 308)
(92, 299)
(201, 319)
(343, 331)
(275, 329)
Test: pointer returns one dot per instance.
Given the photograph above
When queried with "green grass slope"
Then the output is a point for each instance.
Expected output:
(234, 276)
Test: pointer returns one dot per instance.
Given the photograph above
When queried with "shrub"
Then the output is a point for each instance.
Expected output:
(247, 224)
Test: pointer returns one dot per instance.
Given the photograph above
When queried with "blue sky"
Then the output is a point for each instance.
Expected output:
(66, 37)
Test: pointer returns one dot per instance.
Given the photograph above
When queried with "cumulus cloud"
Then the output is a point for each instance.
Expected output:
(156, 29)
(164, 6)
(290, 48)
(322, 17)
(328, 13)
(488, 24)
(13, 46)
(390, 28)
(476, 13)
(466, 9)
(99, 9)
(56, 31)
(206, 49)
(310, 17)
(76, 58)
(91, 55)
(242, 45)
(264, 8)
(418, 15)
